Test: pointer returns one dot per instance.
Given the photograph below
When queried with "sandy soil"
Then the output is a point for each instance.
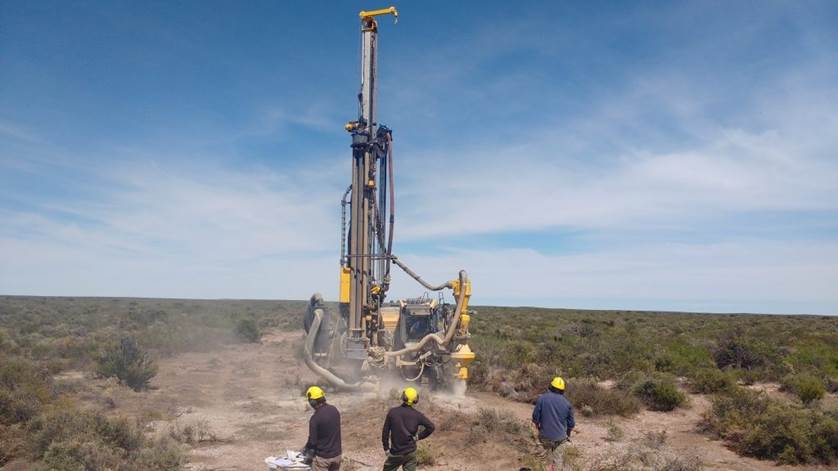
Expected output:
(246, 399)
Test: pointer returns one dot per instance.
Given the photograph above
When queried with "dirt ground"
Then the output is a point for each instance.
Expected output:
(244, 403)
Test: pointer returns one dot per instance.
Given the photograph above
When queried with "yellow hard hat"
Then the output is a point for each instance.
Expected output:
(410, 396)
(557, 383)
(315, 392)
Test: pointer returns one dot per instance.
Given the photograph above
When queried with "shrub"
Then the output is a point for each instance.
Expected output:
(766, 428)
(649, 452)
(68, 439)
(193, 433)
(586, 393)
(748, 354)
(24, 388)
(127, 362)
(615, 433)
(161, 454)
(493, 424)
(807, 387)
(654, 440)
(682, 358)
(7, 343)
(248, 330)
(711, 380)
(425, 455)
(659, 393)
(493, 421)
(79, 455)
(12, 443)
(71, 427)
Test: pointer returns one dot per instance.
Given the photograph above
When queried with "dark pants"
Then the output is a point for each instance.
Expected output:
(407, 462)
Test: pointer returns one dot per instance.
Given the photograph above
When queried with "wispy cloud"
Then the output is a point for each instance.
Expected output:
(745, 275)
(659, 140)
(169, 225)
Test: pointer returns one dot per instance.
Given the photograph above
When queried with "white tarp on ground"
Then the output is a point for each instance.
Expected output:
(291, 461)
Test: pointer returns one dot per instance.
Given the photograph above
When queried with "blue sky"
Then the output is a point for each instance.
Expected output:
(633, 155)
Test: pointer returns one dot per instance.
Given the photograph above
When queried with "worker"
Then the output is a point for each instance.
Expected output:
(553, 418)
(323, 449)
(401, 432)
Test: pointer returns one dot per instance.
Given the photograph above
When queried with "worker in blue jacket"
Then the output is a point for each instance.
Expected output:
(553, 417)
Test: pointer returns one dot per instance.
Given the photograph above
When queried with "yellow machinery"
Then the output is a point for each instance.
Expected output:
(422, 339)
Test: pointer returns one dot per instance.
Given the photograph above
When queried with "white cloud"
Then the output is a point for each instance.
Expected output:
(560, 175)
(161, 232)
(764, 276)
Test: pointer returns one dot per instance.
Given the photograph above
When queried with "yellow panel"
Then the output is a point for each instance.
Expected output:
(390, 317)
(345, 280)
(382, 11)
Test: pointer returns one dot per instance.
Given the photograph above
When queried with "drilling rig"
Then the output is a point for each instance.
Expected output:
(423, 339)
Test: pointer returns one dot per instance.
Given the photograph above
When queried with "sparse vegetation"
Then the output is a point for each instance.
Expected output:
(644, 351)
(615, 433)
(493, 421)
(646, 355)
(609, 344)
(41, 422)
(586, 395)
(425, 454)
(63, 438)
(489, 425)
(192, 433)
(248, 330)
(757, 425)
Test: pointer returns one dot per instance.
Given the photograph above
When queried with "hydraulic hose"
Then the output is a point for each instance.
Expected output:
(392, 203)
(418, 278)
(442, 341)
(343, 203)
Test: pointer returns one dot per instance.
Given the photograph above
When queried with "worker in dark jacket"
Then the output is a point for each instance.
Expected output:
(322, 450)
(553, 417)
(401, 432)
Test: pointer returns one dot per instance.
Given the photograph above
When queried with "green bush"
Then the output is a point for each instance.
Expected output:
(683, 358)
(7, 343)
(584, 393)
(24, 388)
(425, 455)
(128, 363)
(766, 428)
(734, 352)
(69, 439)
(711, 380)
(815, 355)
(807, 387)
(161, 454)
(67, 425)
(248, 330)
(659, 393)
